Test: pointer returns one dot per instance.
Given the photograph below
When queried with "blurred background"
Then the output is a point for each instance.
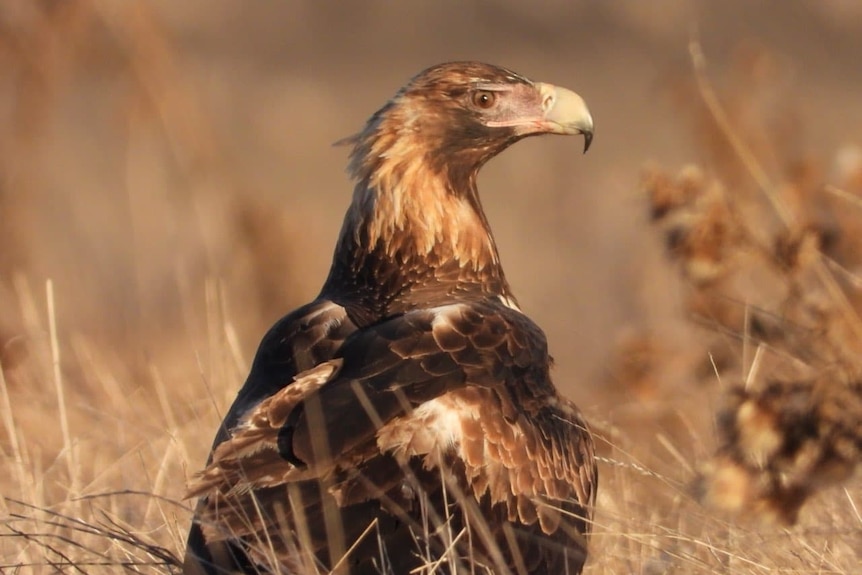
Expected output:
(169, 167)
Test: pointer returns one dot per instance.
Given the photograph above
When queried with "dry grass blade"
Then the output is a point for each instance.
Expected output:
(87, 541)
(61, 396)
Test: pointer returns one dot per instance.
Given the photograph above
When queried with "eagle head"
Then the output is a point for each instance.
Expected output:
(458, 115)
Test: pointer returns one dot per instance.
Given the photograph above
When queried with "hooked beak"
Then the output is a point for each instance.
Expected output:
(564, 112)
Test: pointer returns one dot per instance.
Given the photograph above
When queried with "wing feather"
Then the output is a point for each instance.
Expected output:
(469, 380)
(245, 461)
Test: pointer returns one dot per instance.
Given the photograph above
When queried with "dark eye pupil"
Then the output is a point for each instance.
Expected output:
(483, 99)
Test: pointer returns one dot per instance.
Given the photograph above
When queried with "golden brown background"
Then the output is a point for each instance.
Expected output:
(168, 166)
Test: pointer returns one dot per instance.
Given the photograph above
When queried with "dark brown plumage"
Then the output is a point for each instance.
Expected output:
(407, 417)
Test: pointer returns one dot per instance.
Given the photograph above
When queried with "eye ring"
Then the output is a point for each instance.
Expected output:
(484, 99)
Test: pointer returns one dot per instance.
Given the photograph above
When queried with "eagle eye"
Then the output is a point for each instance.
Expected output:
(484, 99)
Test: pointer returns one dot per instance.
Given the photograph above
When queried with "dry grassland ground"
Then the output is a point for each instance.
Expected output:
(168, 189)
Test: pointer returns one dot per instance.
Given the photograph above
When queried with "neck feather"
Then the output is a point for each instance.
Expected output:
(412, 234)
(416, 212)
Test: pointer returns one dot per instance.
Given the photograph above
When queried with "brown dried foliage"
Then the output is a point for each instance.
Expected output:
(773, 269)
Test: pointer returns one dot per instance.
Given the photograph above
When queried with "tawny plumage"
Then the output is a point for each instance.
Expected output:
(406, 418)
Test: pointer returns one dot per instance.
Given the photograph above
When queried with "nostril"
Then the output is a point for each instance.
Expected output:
(548, 103)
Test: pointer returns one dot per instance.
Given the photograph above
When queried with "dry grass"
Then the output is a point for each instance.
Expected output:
(105, 418)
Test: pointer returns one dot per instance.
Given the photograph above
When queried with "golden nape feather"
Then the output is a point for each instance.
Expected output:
(406, 417)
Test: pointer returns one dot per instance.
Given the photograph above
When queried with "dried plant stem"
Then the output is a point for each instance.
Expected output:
(852, 199)
(354, 545)
(71, 459)
(12, 432)
(743, 151)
